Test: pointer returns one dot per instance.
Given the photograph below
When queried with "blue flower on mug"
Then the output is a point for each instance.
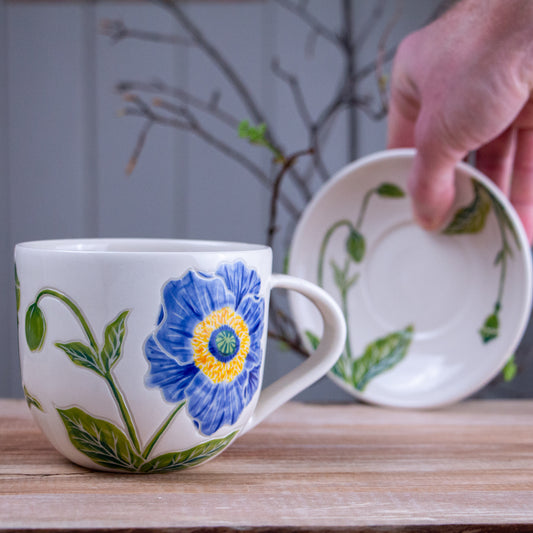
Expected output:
(206, 348)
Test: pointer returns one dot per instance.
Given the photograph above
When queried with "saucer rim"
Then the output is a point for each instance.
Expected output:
(524, 254)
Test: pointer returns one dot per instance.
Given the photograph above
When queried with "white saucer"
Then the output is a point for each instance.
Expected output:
(425, 328)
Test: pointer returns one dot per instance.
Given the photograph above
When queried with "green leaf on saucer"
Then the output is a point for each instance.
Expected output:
(313, 339)
(113, 338)
(355, 246)
(510, 369)
(491, 328)
(471, 218)
(390, 190)
(338, 276)
(82, 355)
(499, 257)
(381, 355)
(173, 461)
(35, 327)
(100, 440)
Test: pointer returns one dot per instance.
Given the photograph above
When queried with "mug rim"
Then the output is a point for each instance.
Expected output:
(144, 245)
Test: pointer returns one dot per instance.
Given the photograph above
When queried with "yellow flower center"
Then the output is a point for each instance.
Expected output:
(231, 335)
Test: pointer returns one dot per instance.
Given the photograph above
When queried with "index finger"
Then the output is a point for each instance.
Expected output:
(521, 195)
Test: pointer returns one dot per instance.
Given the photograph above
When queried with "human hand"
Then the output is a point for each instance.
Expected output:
(461, 84)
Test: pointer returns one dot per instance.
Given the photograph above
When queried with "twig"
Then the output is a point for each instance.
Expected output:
(190, 123)
(349, 88)
(117, 31)
(141, 140)
(292, 81)
(370, 24)
(231, 75)
(303, 13)
(293, 344)
(370, 67)
(215, 55)
(381, 80)
(276, 187)
(159, 87)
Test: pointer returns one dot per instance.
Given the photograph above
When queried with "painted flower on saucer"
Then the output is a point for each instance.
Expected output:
(206, 348)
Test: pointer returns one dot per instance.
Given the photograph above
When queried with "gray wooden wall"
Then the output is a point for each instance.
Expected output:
(64, 148)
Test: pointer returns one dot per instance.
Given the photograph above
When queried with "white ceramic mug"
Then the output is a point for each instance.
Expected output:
(144, 355)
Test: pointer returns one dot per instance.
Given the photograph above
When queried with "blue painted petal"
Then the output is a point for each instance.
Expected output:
(161, 315)
(187, 301)
(165, 373)
(252, 310)
(200, 394)
(234, 401)
(216, 413)
(248, 382)
(240, 280)
(254, 352)
(214, 405)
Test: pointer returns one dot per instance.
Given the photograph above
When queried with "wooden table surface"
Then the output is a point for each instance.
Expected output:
(344, 467)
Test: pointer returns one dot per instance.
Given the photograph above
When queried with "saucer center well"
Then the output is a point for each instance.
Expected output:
(416, 277)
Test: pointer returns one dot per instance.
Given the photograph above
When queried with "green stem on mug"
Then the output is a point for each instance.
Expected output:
(161, 430)
(74, 308)
(124, 411)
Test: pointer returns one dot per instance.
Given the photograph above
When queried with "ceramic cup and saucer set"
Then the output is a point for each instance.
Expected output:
(147, 355)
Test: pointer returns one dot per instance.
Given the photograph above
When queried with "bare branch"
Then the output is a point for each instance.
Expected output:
(117, 31)
(159, 87)
(276, 188)
(187, 121)
(293, 343)
(141, 140)
(370, 68)
(231, 75)
(303, 13)
(215, 55)
(381, 79)
(370, 23)
(292, 81)
(140, 103)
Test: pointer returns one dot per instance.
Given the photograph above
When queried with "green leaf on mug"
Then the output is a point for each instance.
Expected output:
(194, 456)
(35, 327)
(31, 400)
(313, 339)
(381, 355)
(113, 339)
(491, 328)
(82, 355)
(355, 246)
(100, 440)
(390, 190)
(471, 218)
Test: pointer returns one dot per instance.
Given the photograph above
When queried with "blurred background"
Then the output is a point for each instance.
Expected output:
(124, 119)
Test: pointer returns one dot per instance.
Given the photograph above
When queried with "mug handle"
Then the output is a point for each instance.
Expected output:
(318, 364)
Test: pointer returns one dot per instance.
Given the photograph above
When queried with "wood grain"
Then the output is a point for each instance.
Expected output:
(468, 467)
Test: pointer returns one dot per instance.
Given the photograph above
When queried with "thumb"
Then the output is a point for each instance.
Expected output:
(431, 182)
